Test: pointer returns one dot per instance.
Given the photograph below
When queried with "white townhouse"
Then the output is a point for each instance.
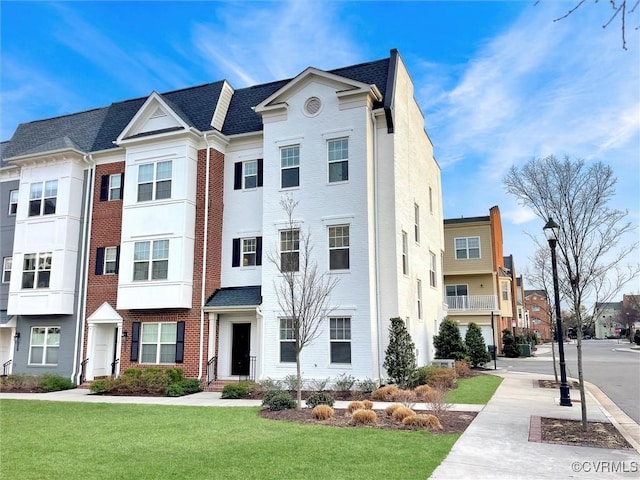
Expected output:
(162, 254)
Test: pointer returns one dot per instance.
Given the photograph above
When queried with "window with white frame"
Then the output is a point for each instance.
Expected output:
(249, 252)
(290, 166)
(158, 343)
(416, 221)
(151, 260)
(110, 260)
(290, 250)
(340, 339)
(287, 341)
(339, 247)
(467, 248)
(419, 297)
(115, 186)
(250, 174)
(457, 290)
(405, 254)
(154, 181)
(433, 270)
(36, 270)
(6, 269)
(505, 290)
(44, 345)
(430, 200)
(13, 202)
(42, 198)
(338, 154)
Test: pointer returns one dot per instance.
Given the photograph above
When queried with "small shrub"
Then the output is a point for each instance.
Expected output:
(319, 398)
(443, 378)
(155, 381)
(344, 382)
(392, 408)
(269, 385)
(423, 374)
(424, 391)
(355, 405)
(291, 382)
(462, 369)
(277, 400)
(191, 385)
(132, 372)
(54, 383)
(368, 404)
(384, 394)
(175, 390)
(367, 385)
(405, 397)
(423, 421)
(402, 412)
(438, 404)
(364, 417)
(319, 384)
(175, 374)
(19, 382)
(322, 412)
(235, 390)
(100, 386)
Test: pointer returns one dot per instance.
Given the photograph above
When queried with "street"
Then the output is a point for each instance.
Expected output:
(606, 363)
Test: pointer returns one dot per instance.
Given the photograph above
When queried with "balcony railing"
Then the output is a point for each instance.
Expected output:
(484, 303)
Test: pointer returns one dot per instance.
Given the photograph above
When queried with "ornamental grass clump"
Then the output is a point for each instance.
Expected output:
(424, 392)
(364, 417)
(407, 398)
(384, 394)
(392, 408)
(402, 412)
(430, 422)
(355, 405)
(368, 404)
(322, 412)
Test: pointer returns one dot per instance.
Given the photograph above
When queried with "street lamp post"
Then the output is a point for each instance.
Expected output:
(551, 232)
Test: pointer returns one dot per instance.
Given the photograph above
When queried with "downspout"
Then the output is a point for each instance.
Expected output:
(204, 258)
(377, 240)
(80, 314)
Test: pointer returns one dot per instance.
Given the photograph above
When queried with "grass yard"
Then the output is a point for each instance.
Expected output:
(53, 440)
(474, 390)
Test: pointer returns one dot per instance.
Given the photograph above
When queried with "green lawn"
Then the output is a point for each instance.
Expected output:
(41, 440)
(476, 390)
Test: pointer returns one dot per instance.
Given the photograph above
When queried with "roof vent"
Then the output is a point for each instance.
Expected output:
(159, 113)
(312, 106)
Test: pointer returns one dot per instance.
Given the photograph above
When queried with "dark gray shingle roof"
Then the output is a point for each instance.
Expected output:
(235, 297)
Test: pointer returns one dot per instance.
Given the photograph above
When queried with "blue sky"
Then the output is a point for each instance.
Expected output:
(499, 82)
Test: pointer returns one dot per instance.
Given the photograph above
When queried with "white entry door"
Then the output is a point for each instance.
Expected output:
(103, 350)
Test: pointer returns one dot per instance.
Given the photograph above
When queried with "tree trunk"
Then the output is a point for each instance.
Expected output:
(298, 382)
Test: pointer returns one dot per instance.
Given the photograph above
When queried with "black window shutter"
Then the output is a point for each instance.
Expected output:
(235, 262)
(117, 259)
(99, 260)
(104, 188)
(180, 342)
(260, 172)
(135, 341)
(121, 186)
(237, 176)
(259, 251)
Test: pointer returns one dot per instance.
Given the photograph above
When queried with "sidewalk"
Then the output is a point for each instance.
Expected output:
(496, 444)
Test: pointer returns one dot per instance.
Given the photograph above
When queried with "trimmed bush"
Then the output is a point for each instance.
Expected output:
(355, 405)
(319, 398)
(392, 408)
(476, 348)
(424, 392)
(176, 375)
(100, 386)
(448, 343)
(235, 390)
(364, 417)
(423, 374)
(385, 394)
(443, 378)
(509, 347)
(402, 412)
(54, 383)
(462, 369)
(322, 412)
(277, 400)
(423, 421)
(400, 356)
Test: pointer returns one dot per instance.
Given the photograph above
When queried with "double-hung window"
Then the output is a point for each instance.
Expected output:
(13, 202)
(115, 186)
(290, 166)
(416, 221)
(44, 345)
(287, 341)
(250, 174)
(339, 247)
(151, 260)
(340, 339)
(419, 297)
(249, 252)
(405, 254)
(42, 198)
(338, 153)
(36, 270)
(467, 248)
(6, 269)
(290, 250)
(433, 270)
(505, 290)
(158, 343)
(154, 181)
(110, 260)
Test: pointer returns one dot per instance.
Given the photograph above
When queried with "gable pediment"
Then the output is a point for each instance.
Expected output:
(105, 313)
(156, 116)
(342, 86)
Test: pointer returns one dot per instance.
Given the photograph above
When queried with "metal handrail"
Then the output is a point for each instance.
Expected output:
(83, 370)
(114, 364)
(5, 367)
(212, 370)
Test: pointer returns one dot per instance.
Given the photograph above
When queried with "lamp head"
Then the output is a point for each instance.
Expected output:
(551, 230)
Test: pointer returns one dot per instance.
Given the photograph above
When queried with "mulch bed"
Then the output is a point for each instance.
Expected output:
(570, 432)
(554, 384)
(452, 422)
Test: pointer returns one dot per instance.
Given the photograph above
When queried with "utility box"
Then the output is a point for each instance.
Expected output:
(525, 349)
(443, 362)
(492, 351)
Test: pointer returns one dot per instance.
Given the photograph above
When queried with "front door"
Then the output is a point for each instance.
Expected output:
(240, 346)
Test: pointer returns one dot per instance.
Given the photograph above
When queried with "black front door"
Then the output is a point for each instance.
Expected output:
(240, 349)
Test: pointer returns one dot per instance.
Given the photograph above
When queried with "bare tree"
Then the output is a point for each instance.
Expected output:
(590, 257)
(302, 290)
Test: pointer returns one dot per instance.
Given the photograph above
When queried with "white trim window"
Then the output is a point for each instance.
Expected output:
(416, 221)
(467, 248)
(339, 247)
(151, 260)
(405, 254)
(115, 186)
(36, 270)
(158, 343)
(154, 181)
(287, 341)
(13, 202)
(290, 166)
(505, 290)
(290, 250)
(6, 269)
(43, 198)
(419, 297)
(340, 339)
(110, 261)
(433, 270)
(44, 345)
(338, 155)
(249, 249)
(250, 174)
